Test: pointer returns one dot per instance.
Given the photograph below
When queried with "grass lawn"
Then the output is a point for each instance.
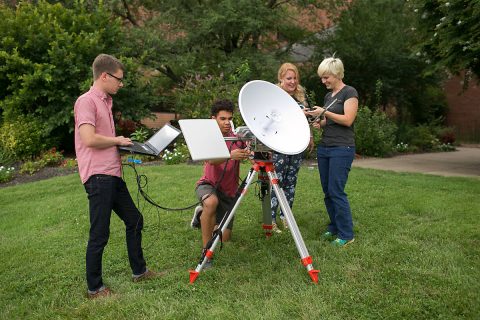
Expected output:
(416, 254)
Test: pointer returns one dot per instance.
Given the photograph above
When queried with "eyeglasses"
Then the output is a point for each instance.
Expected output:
(119, 79)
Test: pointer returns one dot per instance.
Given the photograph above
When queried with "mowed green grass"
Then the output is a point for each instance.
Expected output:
(416, 254)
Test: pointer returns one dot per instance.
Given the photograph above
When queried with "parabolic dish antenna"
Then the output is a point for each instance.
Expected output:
(274, 117)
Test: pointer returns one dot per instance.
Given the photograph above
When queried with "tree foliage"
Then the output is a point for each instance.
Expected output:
(375, 41)
(449, 33)
(189, 39)
(46, 52)
(183, 40)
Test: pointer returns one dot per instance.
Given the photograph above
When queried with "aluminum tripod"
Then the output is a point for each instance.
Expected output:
(262, 166)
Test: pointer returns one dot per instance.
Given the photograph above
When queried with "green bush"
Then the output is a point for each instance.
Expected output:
(423, 137)
(46, 53)
(446, 135)
(6, 173)
(402, 147)
(30, 167)
(69, 163)
(179, 154)
(6, 157)
(374, 133)
(22, 138)
(51, 157)
(196, 97)
(444, 147)
(140, 135)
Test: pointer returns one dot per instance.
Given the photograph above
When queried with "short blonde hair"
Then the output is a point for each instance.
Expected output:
(333, 66)
(299, 92)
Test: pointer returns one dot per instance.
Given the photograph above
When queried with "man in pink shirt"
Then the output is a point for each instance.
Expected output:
(216, 188)
(100, 170)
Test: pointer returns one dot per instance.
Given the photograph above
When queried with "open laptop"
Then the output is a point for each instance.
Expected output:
(204, 139)
(159, 141)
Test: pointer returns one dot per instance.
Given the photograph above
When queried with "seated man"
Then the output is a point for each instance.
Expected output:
(216, 188)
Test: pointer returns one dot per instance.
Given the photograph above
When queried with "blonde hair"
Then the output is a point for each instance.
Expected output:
(333, 66)
(299, 93)
(105, 63)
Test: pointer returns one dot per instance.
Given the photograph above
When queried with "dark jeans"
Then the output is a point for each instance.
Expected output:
(334, 164)
(107, 193)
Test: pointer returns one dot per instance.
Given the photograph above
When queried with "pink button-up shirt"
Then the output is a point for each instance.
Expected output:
(95, 108)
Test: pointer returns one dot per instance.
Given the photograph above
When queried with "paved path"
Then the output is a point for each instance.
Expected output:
(464, 162)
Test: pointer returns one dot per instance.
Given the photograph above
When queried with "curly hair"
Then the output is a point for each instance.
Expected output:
(221, 105)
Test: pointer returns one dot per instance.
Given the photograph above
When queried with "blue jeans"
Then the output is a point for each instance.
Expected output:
(334, 164)
(107, 193)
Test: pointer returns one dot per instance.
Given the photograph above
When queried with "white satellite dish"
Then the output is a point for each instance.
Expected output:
(274, 117)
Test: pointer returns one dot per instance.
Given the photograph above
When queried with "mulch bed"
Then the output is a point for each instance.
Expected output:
(42, 174)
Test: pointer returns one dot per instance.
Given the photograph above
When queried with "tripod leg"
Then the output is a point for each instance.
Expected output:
(210, 247)
(297, 237)
(266, 205)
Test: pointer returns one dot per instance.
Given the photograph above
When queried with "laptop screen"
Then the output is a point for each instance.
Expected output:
(162, 138)
(204, 139)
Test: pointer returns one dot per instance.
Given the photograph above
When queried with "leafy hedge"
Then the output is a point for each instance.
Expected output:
(22, 138)
(374, 133)
(46, 53)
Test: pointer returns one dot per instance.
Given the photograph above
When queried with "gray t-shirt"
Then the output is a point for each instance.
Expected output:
(334, 134)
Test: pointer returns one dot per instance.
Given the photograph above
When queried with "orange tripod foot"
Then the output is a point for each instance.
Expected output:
(193, 275)
(314, 275)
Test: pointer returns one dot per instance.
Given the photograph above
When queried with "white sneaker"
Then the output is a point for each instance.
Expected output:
(195, 223)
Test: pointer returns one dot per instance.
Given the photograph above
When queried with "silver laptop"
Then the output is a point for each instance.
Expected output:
(204, 139)
(156, 144)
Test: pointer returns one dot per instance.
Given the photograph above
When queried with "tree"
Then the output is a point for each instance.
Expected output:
(375, 41)
(177, 41)
(449, 33)
(46, 54)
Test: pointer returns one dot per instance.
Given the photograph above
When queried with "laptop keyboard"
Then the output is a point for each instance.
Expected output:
(139, 148)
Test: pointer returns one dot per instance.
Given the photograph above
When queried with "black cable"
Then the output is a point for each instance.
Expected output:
(142, 183)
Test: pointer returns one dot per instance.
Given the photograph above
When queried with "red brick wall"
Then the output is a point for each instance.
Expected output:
(160, 119)
(464, 109)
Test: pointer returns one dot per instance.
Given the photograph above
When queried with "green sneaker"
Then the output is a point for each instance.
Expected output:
(328, 236)
(341, 243)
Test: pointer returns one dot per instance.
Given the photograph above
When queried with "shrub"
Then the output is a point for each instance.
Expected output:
(30, 167)
(402, 147)
(6, 173)
(423, 137)
(51, 158)
(179, 154)
(196, 97)
(46, 55)
(374, 133)
(140, 135)
(6, 158)
(23, 137)
(446, 135)
(69, 163)
(444, 147)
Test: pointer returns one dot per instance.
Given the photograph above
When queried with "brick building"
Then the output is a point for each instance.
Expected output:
(464, 108)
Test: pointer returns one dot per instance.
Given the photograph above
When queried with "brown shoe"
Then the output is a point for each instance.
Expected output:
(147, 275)
(102, 292)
